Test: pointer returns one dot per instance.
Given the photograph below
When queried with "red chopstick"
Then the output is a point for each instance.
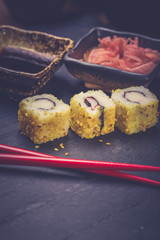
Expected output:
(122, 175)
(31, 158)
(52, 161)
(10, 149)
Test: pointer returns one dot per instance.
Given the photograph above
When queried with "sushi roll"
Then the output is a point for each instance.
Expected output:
(43, 118)
(136, 109)
(92, 114)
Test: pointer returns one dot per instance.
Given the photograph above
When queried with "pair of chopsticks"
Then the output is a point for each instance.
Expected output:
(18, 156)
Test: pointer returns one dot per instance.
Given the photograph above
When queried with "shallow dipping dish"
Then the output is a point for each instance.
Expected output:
(102, 77)
(48, 49)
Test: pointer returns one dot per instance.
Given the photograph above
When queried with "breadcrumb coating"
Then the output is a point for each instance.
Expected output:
(43, 125)
(136, 109)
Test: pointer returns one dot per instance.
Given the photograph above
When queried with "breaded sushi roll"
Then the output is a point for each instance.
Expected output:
(136, 109)
(92, 114)
(43, 118)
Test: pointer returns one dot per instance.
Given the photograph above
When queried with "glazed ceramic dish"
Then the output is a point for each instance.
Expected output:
(40, 51)
(103, 77)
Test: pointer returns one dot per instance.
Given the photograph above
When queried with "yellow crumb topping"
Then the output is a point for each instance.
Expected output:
(36, 146)
(43, 126)
(61, 145)
(88, 125)
(56, 149)
(117, 90)
(137, 118)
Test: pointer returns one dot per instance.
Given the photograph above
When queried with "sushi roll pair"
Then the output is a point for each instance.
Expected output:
(132, 110)
(44, 118)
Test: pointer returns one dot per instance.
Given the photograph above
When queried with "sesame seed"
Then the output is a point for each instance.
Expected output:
(108, 143)
(61, 145)
(56, 149)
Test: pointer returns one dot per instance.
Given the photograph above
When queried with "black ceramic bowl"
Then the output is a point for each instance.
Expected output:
(103, 77)
(29, 48)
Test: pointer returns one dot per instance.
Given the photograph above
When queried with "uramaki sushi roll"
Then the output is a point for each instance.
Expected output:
(92, 114)
(43, 118)
(136, 109)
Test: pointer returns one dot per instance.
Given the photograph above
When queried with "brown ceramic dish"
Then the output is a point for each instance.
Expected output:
(28, 59)
(102, 77)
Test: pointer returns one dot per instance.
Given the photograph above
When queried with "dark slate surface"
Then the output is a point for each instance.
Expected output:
(45, 203)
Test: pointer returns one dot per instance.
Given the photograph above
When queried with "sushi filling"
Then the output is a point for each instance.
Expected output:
(43, 104)
(91, 102)
(134, 96)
